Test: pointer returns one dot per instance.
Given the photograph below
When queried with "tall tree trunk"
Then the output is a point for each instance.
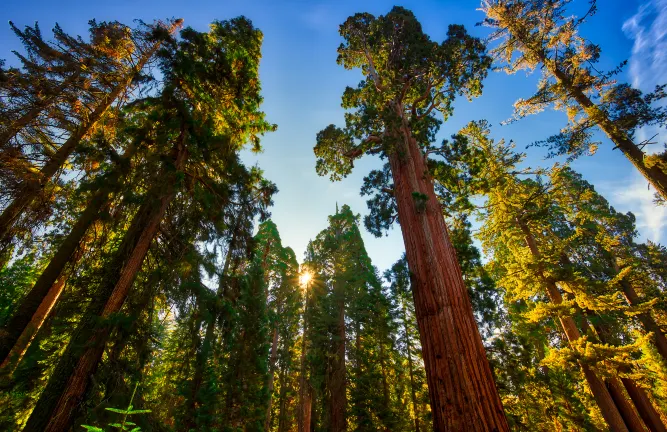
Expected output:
(413, 393)
(34, 186)
(337, 400)
(204, 353)
(644, 406)
(18, 333)
(638, 396)
(645, 318)
(282, 400)
(272, 367)
(630, 417)
(63, 394)
(600, 393)
(461, 386)
(654, 174)
(17, 125)
(305, 394)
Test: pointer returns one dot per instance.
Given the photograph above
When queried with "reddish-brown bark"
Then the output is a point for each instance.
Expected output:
(630, 417)
(644, 406)
(29, 316)
(305, 392)
(272, 367)
(57, 405)
(461, 386)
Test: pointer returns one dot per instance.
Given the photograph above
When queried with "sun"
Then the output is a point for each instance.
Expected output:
(305, 277)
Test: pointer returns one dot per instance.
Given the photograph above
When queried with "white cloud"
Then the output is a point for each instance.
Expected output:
(647, 28)
(637, 198)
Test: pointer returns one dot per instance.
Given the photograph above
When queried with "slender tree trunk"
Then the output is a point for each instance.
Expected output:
(63, 394)
(646, 320)
(654, 175)
(17, 125)
(644, 406)
(413, 393)
(337, 400)
(461, 386)
(282, 400)
(33, 187)
(305, 395)
(638, 396)
(18, 333)
(600, 393)
(272, 367)
(203, 354)
(632, 420)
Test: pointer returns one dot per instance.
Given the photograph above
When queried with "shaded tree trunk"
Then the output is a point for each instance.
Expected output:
(461, 386)
(337, 399)
(272, 367)
(632, 420)
(64, 392)
(283, 425)
(644, 406)
(646, 320)
(18, 333)
(413, 393)
(305, 393)
(600, 393)
(204, 352)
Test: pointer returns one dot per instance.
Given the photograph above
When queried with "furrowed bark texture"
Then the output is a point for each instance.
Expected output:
(630, 417)
(461, 386)
(64, 392)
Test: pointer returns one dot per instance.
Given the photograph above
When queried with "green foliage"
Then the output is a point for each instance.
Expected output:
(124, 424)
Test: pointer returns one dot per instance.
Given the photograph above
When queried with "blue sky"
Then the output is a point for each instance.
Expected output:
(302, 85)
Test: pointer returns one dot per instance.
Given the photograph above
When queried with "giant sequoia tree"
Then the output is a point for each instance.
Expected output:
(407, 78)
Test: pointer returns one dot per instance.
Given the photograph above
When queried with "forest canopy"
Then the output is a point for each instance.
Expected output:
(145, 284)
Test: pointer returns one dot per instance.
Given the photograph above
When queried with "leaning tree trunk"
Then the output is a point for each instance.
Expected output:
(461, 386)
(18, 333)
(640, 399)
(600, 393)
(29, 116)
(644, 406)
(645, 318)
(33, 187)
(654, 174)
(64, 392)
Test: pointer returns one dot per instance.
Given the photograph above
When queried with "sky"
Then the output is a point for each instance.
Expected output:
(302, 87)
